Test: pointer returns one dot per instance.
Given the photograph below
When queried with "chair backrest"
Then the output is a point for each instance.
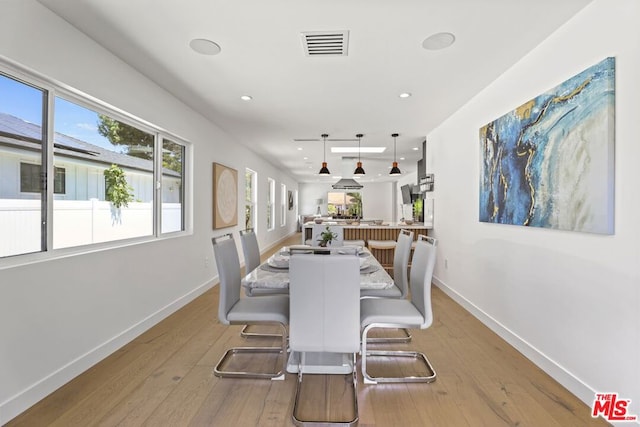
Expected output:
(228, 263)
(250, 249)
(401, 261)
(319, 228)
(324, 293)
(424, 260)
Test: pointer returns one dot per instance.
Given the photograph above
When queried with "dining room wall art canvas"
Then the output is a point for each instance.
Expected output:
(550, 162)
(225, 196)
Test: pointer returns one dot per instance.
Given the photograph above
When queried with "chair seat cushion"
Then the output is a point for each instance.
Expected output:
(353, 242)
(272, 308)
(382, 244)
(386, 310)
(392, 292)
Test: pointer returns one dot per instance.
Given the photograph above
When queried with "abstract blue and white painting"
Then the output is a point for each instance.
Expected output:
(550, 162)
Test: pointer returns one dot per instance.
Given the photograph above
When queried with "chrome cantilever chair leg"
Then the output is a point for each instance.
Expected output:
(393, 340)
(245, 333)
(229, 354)
(368, 379)
(297, 419)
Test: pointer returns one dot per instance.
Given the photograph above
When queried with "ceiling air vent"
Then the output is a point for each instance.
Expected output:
(319, 43)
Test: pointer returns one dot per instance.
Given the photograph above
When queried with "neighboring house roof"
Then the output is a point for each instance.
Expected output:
(19, 133)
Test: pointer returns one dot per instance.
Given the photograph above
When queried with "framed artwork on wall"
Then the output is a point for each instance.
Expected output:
(290, 199)
(225, 196)
(550, 162)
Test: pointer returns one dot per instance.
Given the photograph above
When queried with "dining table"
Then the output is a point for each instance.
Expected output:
(273, 274)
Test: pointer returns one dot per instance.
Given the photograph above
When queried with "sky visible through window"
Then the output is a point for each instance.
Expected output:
(24, 102)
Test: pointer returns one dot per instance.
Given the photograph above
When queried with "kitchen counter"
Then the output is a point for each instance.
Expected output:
(368, 231)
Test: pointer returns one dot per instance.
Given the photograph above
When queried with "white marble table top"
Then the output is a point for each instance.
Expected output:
(272, 278)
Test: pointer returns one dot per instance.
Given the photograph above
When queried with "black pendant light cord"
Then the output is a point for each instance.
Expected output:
(324, 170)
(359, 170)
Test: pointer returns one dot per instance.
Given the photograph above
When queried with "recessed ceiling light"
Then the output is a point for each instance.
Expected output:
(347, 150)
(415, 148)
(246, 98)
(404, 95)
(401, 158)
(305, 158)
(205, 47)
(299, 148)
(438, 41)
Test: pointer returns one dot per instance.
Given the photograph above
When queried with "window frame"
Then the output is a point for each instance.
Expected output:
(56, 174)
(251, 202)
(271, 206)
(52, 90)
(283, 204)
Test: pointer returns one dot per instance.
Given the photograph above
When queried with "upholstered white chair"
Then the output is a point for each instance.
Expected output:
(414, 313)
(400, 288)
(250, 249)
(251, 252)
(324, 318)
(271, 310)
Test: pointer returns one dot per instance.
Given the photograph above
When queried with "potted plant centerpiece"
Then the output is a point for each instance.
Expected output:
(326, 237)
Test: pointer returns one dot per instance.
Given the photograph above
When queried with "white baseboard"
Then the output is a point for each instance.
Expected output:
(557, 372)
(17, 404)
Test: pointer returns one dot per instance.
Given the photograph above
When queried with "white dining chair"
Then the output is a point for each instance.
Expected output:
(250, 249)
(400, 288)
(324, 318)
(232, 310)
(251, 252)
(410, 313)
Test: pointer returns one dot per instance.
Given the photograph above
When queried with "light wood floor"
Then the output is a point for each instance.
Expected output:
(165, 378)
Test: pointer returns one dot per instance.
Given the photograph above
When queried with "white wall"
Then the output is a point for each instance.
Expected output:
(59, 315)
(377, 199)
(569, 301)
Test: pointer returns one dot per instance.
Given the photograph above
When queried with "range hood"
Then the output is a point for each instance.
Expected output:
(347, 170)
(347, 184)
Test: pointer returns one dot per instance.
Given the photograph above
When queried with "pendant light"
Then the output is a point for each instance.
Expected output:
(395, 170)
(359, 170)
(324, 170)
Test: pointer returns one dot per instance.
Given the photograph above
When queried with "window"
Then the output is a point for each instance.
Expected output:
(110, 164)
(172, 202)
(250, 178)
(271, 207)
(344, 204)
(113, 177)
(283, 205)
(22, 154)
(30, 180)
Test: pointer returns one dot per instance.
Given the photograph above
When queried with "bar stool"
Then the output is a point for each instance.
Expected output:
(384, 251)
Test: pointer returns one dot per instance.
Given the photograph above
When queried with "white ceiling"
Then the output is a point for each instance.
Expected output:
(298, 96)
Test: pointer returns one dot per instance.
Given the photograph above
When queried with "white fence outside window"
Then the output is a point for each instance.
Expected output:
(79, 222)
